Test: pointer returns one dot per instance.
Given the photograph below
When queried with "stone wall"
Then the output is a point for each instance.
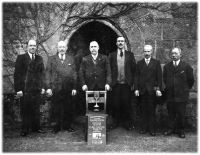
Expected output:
(163, 34)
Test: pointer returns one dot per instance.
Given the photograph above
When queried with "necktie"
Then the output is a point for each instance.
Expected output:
(147, 62)
(175, 64)
(33, 57)
(62, 58)
(121, 53)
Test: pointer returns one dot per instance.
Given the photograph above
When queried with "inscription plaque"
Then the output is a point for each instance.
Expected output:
(96, 129)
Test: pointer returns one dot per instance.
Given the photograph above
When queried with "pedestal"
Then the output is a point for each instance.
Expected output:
(96, 130)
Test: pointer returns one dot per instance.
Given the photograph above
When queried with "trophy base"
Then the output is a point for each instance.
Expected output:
(96, 110)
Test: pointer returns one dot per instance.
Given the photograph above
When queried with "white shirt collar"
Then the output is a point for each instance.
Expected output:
(59, 54)
(147, 59)
(177, 62)
(118, 51)
(30, 55)
(94, 56)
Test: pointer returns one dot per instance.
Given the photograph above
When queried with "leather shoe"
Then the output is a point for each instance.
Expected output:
(39, 131)
(70, 129)
(167, 133)
(152, 133)
(129, 128)
(23, 134)
(142, 132)
(182, 134)
(55, 131)
(175, 131)
(113, 126)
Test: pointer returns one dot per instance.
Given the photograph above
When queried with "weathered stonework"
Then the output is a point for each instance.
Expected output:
(162, 33)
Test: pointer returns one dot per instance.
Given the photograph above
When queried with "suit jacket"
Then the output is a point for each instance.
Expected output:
(148, 78)
(61, 76)
(29, 74)
(129, 71)
(178, 81)
(97, 74)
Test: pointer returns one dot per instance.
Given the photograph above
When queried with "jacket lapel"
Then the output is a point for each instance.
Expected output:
(125, 59)
(178, 67)
(115, 61)
(91, 60)
(58, 60)
(144, 63)
(171, 66)
(99, 57)
(115, 58)
(27, 56)
(150, 63)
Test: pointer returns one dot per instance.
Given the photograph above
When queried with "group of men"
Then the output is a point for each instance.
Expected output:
(118, 73)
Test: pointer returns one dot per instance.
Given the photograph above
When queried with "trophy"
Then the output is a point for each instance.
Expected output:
(96, 98)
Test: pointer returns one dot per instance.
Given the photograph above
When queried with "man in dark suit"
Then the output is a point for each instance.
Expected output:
(148, 84)
(179, 79)
(28, 82)
(61, 80)
(95, 70)
(123, 65)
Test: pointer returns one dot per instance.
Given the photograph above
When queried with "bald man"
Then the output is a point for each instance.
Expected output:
(61, 81)
(148, 84)
(29, 85)
(179, 79)
(95, 70)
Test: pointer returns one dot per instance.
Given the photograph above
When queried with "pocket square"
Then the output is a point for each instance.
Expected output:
(182, 72)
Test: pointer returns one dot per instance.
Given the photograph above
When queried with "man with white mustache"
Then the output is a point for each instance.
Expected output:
(61, 83)
(95, 70)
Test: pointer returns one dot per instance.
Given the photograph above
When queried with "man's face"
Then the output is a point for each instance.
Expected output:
(120, 42)
(62, 47)
(147, 51)
(32, 46)
(176, 54)
(147, 54)
(94, 48)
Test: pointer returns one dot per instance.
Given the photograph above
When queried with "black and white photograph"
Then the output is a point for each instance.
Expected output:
(99, 76)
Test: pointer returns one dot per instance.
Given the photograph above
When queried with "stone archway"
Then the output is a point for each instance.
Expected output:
(102, 31)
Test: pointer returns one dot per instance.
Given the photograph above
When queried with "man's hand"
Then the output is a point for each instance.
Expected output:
(107, 87)
(74, 92)
(19, 94)
(42, 91)
(137, 93)
(84, 88)
(49, 92)
(158, 93)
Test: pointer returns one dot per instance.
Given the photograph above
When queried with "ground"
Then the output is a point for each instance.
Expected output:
(118, 140)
